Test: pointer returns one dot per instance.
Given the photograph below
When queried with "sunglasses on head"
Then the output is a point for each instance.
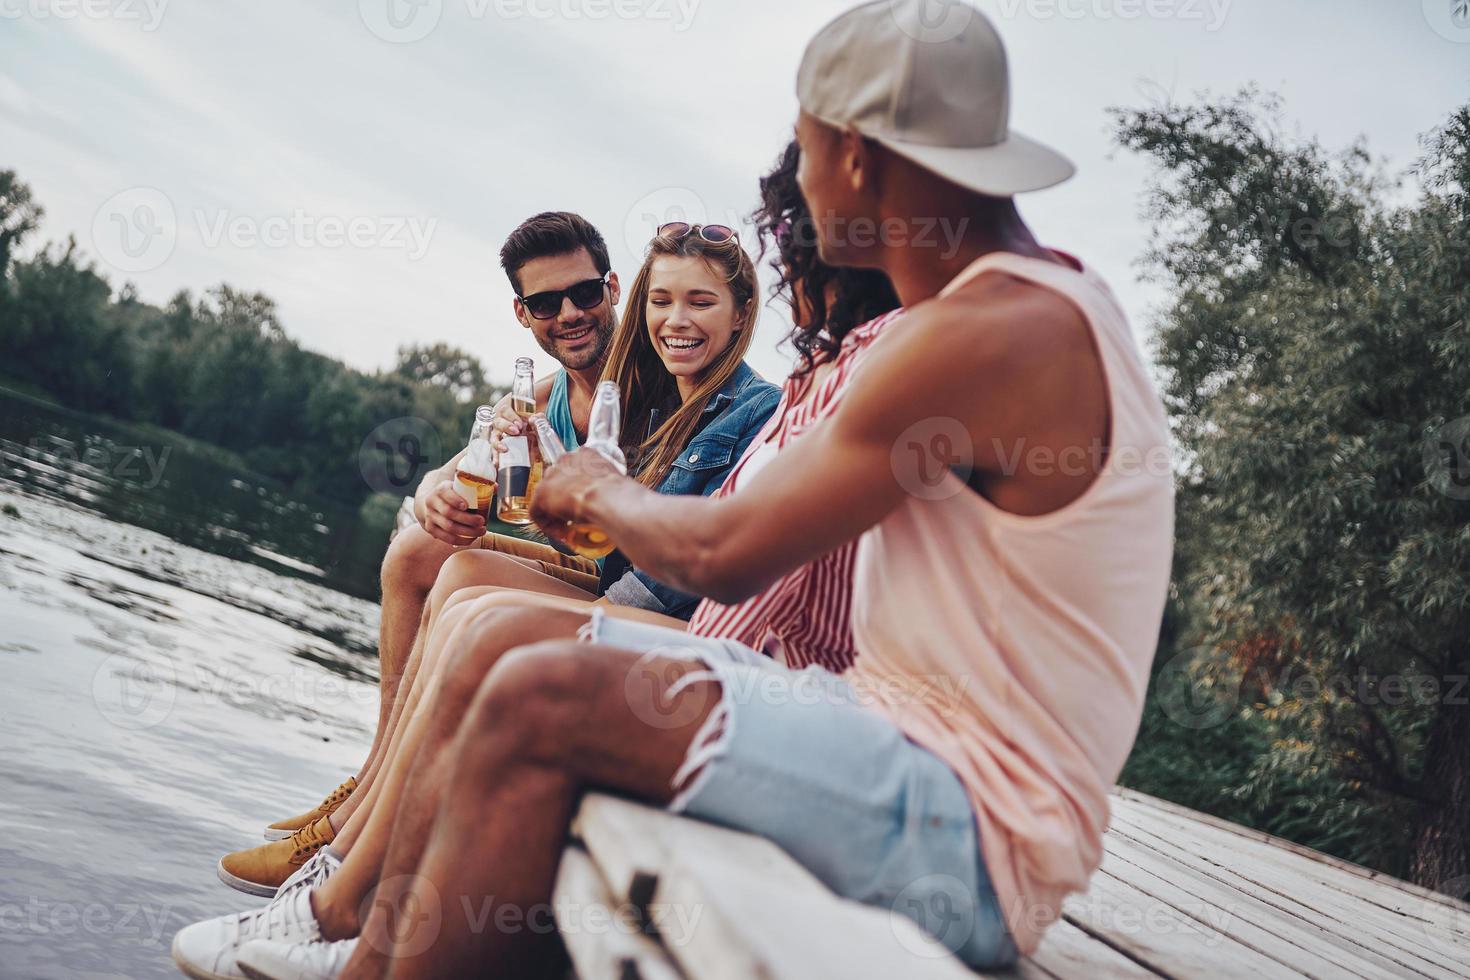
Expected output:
(585, 295)
(714, 234)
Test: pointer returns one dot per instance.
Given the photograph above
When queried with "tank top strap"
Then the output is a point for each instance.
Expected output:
(559, 411)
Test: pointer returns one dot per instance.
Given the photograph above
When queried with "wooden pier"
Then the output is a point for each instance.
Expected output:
(644, 894)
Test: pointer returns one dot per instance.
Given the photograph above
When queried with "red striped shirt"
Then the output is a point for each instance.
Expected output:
(804, 617)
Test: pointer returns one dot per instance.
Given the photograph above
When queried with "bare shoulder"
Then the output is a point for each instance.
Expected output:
(998, 323)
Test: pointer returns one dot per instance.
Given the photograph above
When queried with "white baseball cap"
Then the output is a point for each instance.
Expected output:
(928, 79)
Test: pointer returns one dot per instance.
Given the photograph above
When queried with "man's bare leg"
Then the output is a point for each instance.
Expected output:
(464, 569)
(479, 633)
(549, 720)
(409, 570)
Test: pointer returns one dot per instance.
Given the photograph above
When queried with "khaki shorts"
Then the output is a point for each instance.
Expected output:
(571, 569)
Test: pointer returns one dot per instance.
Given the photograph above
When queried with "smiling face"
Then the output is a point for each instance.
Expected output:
(578, 339)
(692, 316)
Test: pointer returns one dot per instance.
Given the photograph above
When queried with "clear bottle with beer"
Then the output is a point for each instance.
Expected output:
(517, 473)
(603, 430)
(474, 477)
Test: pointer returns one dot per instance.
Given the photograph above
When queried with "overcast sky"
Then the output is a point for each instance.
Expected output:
(360, 161)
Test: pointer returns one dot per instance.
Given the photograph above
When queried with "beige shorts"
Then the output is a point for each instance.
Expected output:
(571, 569)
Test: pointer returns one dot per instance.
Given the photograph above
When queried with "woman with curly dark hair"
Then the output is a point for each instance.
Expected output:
(805, 617)
(826, 302)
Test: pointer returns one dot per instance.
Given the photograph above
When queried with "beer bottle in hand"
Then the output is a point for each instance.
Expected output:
(603, 430)
(515, 460)
(548, 444)
(474, 478)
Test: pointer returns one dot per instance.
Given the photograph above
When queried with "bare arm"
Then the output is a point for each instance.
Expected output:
(1011, 366)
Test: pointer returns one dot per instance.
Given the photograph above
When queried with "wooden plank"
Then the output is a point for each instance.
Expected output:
(602, 934)
(631, 843)
(1134, 799)
(1398, 939)
(1392, 894)
(736, 905)
(748, 929)
(1437, 920)
(1306, 946)
(1163, 938)
(1067, 952)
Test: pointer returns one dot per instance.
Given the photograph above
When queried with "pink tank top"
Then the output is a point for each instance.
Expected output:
(1017, 649)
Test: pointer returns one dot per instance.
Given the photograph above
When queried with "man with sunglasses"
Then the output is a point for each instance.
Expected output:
(566, 295)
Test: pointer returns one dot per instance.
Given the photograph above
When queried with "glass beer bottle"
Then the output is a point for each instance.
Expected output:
(516, 474)
(474, 477)
(603, 430)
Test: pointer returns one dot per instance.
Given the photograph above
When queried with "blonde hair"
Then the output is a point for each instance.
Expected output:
(634, 366)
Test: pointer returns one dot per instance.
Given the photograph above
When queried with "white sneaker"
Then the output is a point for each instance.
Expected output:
(264, 959)
(206, 950)
(312, 874)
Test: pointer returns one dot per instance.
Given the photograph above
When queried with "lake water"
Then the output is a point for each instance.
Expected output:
(187, 654)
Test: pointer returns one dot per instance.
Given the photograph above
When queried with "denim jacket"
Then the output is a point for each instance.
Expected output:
(731, 420)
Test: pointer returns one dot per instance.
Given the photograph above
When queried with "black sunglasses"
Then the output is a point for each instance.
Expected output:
(585, 295)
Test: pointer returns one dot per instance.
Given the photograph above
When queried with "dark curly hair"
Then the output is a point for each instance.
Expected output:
(832, 300)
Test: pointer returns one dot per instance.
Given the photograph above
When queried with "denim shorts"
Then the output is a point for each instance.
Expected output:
(795, 757)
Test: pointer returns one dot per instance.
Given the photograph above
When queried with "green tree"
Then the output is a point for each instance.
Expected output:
(19, 216)
(1316, 345)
